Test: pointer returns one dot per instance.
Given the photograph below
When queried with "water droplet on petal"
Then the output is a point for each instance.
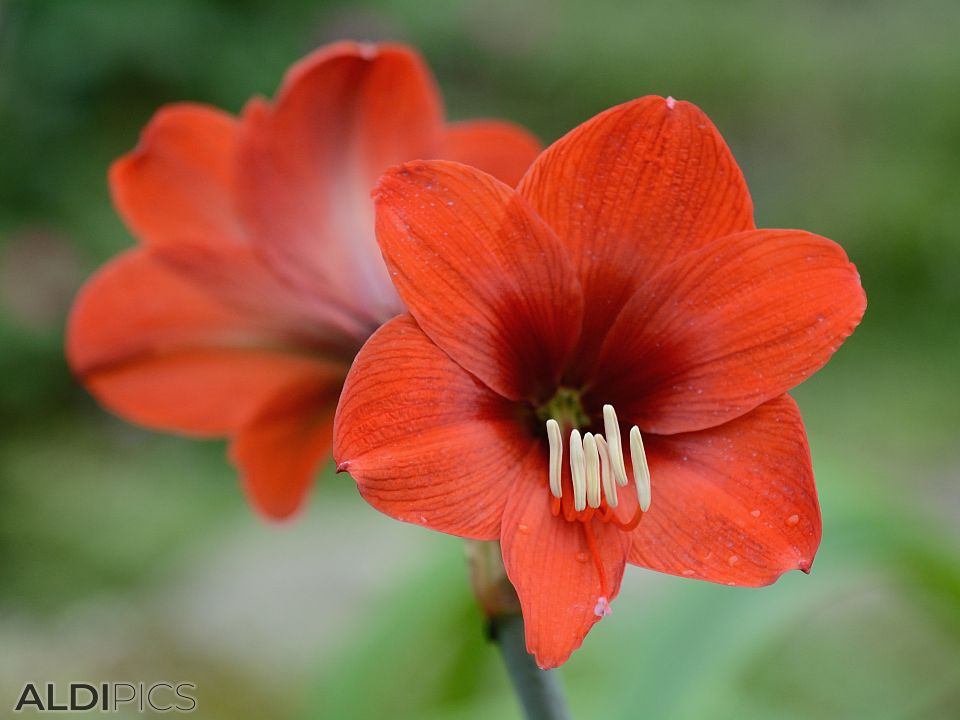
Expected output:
(793, 520)
(582, 557)
(733, 559)
(524, 529)
(688, 572)
(755, 513)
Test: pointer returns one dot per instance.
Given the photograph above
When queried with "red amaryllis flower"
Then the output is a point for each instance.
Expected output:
(258, 276)
(623, 298)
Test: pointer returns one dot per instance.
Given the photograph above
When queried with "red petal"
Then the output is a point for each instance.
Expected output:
(176, 193)
(483, 276)
(176, 186)
(280, 448)
(632, 189)
(157, 350)
(727, 328)
(426, 442)
(238, 278)
(501, 149)
(556, 567)
(734, 504)
(308, 162)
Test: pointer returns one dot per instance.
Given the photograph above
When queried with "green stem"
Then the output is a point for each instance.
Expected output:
(540, 691)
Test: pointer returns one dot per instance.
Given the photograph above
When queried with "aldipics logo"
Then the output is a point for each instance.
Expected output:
(109, 697)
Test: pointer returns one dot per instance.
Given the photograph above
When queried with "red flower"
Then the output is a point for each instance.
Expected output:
(258, 277)
(625, 271)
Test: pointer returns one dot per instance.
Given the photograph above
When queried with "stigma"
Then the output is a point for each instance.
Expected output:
(597, 465)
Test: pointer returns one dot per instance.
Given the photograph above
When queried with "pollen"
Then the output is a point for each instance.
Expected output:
(606, 472)
(641, 473)
(597, 464)
(611, 427)
(578, 471)
(592, 465)
(556, 456)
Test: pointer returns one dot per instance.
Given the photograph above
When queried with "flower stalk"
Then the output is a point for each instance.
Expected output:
(540, 691)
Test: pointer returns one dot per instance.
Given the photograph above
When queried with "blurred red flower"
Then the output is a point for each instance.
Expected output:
(258, 276)
(624, 279)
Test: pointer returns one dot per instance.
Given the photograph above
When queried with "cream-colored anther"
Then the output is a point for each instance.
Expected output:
(612, 429)
(578, 471)
(607, 480)
(592, 466)
(641, 473)
(556, 457)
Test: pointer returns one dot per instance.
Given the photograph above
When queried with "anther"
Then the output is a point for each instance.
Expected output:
(578, 471)
(606, 473)
(556, 457)
(596, 469)
(592, 458)
(611, 427)
(641, 473)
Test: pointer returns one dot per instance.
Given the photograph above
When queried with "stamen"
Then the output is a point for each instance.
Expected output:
(556, 457)
(612, 428)
(578, 471)
(596, 468)
(641, 473)
(606, 473)
(593, 469)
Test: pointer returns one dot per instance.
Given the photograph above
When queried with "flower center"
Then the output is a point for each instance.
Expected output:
(565, 408)
(597, 466)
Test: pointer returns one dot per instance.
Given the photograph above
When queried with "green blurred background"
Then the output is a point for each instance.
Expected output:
(126, 555)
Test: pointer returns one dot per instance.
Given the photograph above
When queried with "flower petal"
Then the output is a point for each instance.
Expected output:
(159, 351)
(308, 162)
(238, 278)
(484, 277)
(426, 442)
(727, 328)
(501, 149)
(734, 504)
(565, 573)
(176, 192)
(177, 185)
(631, 190)
(279, 449)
